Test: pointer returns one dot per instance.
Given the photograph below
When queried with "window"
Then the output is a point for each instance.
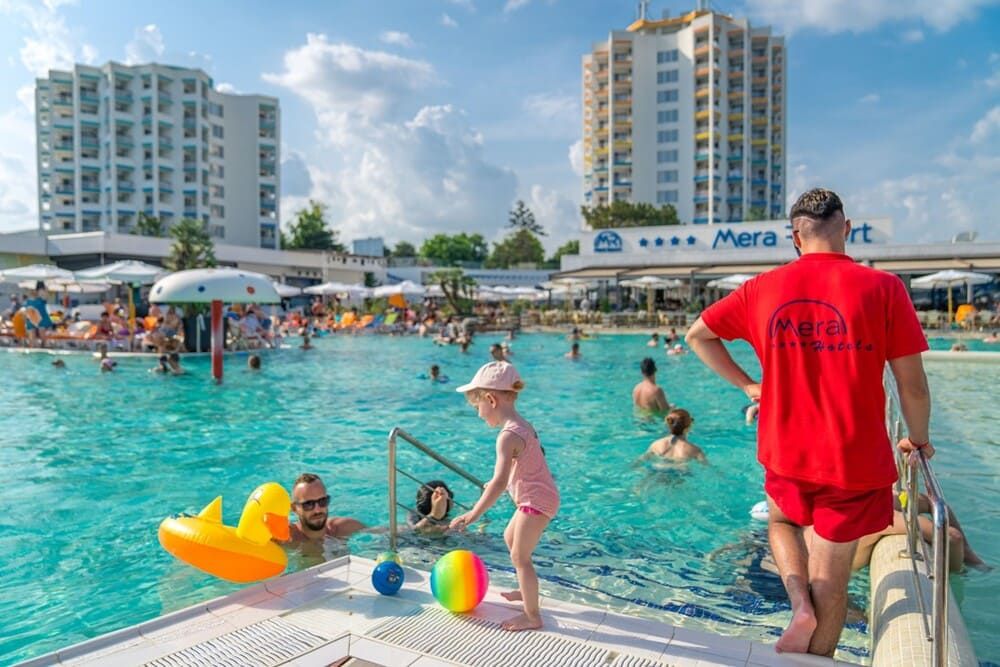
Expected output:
(667, 76)
(666, 156)
(669, 95)
(669, 176)
(666, 136)
(217, 131)
(666, 56)
(668, 116)
(666, 197)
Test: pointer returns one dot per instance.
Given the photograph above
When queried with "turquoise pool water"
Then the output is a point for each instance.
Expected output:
(90, 464)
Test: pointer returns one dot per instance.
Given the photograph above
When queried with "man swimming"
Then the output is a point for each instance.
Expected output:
(647, 395)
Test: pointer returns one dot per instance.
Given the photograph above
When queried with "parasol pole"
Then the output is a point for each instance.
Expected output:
(217, 341)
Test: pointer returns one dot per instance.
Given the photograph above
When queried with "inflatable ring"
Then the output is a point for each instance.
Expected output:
(243, 554)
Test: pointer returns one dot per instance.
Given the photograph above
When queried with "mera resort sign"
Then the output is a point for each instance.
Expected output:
(738, 236)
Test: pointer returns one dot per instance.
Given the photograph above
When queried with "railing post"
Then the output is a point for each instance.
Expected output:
(392, 489)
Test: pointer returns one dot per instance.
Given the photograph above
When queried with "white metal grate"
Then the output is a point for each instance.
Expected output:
(263, 644)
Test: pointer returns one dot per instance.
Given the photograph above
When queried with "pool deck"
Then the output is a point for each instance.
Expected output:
(329, 613)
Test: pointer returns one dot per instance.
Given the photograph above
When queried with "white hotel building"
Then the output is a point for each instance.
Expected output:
(115, 141)
(688, 111)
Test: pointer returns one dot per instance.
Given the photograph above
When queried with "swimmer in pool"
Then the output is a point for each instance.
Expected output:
(676, 350)
(306, 345)
(574, 352)
(654, 340)
(433, 504)
(435, 375)
(253, 362)
(647, 395)
(676, 447)
(496, 351)
(59, 363)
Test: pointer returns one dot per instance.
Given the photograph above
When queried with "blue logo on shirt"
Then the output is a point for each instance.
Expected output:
(608, 241)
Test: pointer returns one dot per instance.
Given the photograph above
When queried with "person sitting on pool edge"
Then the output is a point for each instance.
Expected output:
(647, 395)
(676, 447)
(433, 504)
(310, 502)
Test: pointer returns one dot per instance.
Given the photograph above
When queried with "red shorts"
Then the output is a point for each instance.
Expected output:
(835, 514)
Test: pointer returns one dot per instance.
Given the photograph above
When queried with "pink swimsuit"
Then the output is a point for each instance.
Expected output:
(530, 484)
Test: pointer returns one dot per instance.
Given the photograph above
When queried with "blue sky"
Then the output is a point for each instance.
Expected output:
(410, 117)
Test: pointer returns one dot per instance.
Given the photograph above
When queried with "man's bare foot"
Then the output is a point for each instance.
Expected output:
(522, 622)
(512, 596)
(795, 638)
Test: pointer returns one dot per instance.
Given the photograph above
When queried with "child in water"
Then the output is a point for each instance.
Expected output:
(675, 447)
(521, 469)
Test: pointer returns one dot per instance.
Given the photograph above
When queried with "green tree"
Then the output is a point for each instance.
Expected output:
(521, 217)
(192, 248)
(755, 213)
(148, 225)
(457, 288)
(309, 231)
(456, 249)
(404, 249)
(627, 214)
(568, 248)
(521, 247)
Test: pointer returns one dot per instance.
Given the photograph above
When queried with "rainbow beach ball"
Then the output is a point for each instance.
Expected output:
(459, 581)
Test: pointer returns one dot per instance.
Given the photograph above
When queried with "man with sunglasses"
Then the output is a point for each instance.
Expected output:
(823, 328)
(311, 503)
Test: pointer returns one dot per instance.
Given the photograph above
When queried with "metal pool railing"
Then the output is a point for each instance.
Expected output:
(912, 468)
(394, 436)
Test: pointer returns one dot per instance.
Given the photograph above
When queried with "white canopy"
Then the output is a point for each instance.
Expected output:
(950, 277)
(651, 282)
(332, 288)
(127, 271)
(285, 291)
(730, 282)
(207, 285)
(406, 288)
(36, 272)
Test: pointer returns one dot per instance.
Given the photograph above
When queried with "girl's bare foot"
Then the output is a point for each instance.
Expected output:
(522, 622)
(512, 596)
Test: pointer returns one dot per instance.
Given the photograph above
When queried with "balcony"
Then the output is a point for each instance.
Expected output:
(734, 177)
(63, 145)
(126, 186)
(758, 101)
(704, 156)
(65, 190)
(761, 141)
(89, 142)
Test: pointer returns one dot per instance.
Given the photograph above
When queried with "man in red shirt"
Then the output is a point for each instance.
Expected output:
(823, 328)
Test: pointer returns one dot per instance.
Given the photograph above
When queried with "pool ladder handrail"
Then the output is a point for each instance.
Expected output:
(394, 504)
(916, 549)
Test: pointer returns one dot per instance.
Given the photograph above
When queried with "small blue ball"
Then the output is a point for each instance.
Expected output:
(387, 578)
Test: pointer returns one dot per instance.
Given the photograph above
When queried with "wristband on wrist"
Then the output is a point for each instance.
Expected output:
(919, 446)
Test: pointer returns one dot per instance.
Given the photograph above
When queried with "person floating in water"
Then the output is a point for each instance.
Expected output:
(676, 447)
(647, 395)
(521, 468)
(435, 374)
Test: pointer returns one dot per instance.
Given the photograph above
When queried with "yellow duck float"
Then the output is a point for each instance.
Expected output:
(242, 554)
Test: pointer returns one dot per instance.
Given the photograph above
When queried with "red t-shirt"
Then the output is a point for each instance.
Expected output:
(823, 328)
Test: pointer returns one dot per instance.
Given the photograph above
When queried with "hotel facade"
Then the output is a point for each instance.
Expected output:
(687, 111)
(116, 141)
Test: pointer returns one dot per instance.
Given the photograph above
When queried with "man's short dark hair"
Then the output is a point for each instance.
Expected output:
(818, 204)
(648, 367)
(306, 478)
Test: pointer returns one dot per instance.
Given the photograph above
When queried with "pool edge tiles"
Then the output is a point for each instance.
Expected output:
(332, 602)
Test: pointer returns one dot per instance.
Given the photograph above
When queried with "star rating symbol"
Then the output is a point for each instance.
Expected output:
(691, 240)
(658, 242)
(643, 242)
(675, 241)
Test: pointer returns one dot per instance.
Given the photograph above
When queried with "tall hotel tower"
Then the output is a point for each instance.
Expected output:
(117, 141)
(687, 111)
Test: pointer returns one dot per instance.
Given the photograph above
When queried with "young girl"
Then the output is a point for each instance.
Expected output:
(675, 447)
(522, 470)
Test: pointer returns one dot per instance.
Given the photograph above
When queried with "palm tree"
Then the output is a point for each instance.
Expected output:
(192, 247)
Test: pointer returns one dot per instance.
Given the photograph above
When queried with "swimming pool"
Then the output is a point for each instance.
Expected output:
(90, 464)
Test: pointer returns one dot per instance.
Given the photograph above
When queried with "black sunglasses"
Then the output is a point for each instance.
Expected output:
(310, 505)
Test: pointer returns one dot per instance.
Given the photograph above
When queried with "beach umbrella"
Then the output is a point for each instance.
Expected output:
(729, 282)
(405, 288)
(950, 278)
(215, 286)
(651, 283)
(36, 272)
(286, 291)
(128, 272)
(335, 288)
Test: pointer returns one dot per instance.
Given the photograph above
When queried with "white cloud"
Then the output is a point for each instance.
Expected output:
(870, 98)
(448, 22)
(576, 157)
(26, 95)
(860, 15)
(913, 36)
(145, 46)
(49, 43)
(986, 125)
(18, 189)
(465, 4)
(514, 5)
(993, 81)
(227, 88)
(557, 214)
(385, 163)
(553, 106)
(397, 38)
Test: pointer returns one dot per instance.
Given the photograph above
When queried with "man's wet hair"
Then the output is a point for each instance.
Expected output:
(648, 367)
